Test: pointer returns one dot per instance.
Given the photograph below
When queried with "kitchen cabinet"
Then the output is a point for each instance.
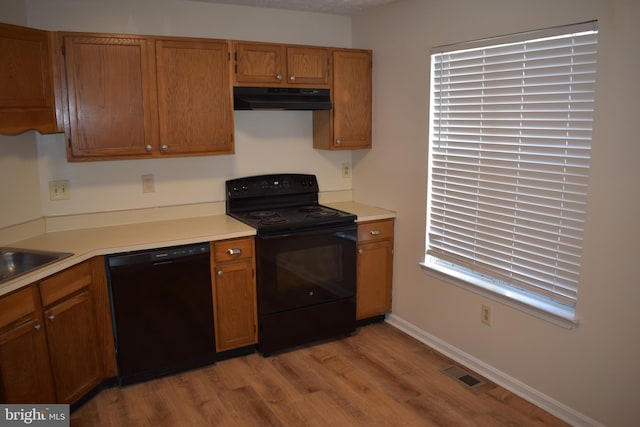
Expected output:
(25, 372)
(194, 97)
(71, 332)
(26, 81)
(234, 293)
(267, 64)
(347, 126)
(374, 268)
(130, 96)
(56, 341)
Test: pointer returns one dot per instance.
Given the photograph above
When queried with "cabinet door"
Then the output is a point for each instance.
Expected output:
(375, 264)
(352, 99)
(109, 91)
(308, 66)
(25, 375)
(347, 126)
(260, 63)
(73, 347)
(194, 97)
(26, 83)
(235, 305)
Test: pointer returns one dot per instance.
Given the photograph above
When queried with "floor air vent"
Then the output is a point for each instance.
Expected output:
(463, 376)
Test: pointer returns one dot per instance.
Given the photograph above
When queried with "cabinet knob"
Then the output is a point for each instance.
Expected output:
(360, 251)
(37, 327)
(292, 78)
(338, 141)
(234, 251)
(148, 147)
(164, 148)
(279, 77)
(52, 317)
(220, 273)
(376, 232)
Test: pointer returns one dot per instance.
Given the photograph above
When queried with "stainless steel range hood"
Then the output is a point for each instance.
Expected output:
(280, 98)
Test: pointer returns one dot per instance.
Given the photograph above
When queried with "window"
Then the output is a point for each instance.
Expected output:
(510, 140)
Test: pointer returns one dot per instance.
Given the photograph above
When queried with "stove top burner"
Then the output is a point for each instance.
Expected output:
(261, 214)
(323, 214)
(277, 219)
(310, 208)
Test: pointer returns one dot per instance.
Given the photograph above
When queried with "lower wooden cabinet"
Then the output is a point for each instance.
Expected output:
(375, 268)
(234, 293)
(51, 344)
(25, 372)
(71, 334)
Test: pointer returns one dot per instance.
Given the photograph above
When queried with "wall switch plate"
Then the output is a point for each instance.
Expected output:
(148, 183)
(346, 170)
(59, 190)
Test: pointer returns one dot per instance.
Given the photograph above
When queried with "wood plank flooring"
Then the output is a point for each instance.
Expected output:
(377, 377)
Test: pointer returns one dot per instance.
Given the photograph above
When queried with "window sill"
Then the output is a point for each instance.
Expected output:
(555, 313)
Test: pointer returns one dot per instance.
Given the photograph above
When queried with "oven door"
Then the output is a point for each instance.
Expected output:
(300, 269)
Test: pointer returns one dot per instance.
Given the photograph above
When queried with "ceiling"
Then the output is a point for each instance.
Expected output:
(339, 7)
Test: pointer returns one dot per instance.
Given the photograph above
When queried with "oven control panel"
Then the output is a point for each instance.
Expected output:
(271, 185)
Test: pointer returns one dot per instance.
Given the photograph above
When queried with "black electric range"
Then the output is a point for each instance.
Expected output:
(305, 259)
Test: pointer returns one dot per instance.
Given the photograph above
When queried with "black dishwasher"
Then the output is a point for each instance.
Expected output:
(162, 311)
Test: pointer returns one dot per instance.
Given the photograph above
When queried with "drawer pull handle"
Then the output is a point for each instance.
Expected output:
(37, 327)
(376, 232)
(360, 251)
(52, 317)
(234, 251)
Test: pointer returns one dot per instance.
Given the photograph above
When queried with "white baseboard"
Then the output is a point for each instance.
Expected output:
(515, 386)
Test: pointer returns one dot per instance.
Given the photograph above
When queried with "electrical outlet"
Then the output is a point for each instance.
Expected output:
(346, 170)
(148, 183)
(485, 315)
(59, 190)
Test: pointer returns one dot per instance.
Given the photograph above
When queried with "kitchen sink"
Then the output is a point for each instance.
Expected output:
(15, 262)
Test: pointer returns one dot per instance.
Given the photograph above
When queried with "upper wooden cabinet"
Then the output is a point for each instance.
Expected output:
(26, 82)
(347, 126)
(266, 64)
(141, 97)
(195, 104)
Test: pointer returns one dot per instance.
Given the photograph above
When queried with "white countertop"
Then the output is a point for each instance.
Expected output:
(364, 212)
(86, 243)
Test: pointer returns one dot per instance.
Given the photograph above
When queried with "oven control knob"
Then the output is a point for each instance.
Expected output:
(244, 187)
(310, 293)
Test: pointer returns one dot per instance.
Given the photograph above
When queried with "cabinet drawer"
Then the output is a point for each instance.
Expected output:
(230, 250)
(65, 283)
(16, 305)
(375, 230)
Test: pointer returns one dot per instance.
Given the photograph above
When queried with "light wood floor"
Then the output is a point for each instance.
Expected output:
(377, 377)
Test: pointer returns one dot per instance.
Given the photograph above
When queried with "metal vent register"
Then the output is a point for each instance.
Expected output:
(462, 376)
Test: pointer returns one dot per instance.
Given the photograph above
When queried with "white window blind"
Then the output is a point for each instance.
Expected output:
(509, 158)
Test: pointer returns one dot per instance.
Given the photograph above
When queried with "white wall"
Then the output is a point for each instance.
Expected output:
(593, 368)
(265, 141)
